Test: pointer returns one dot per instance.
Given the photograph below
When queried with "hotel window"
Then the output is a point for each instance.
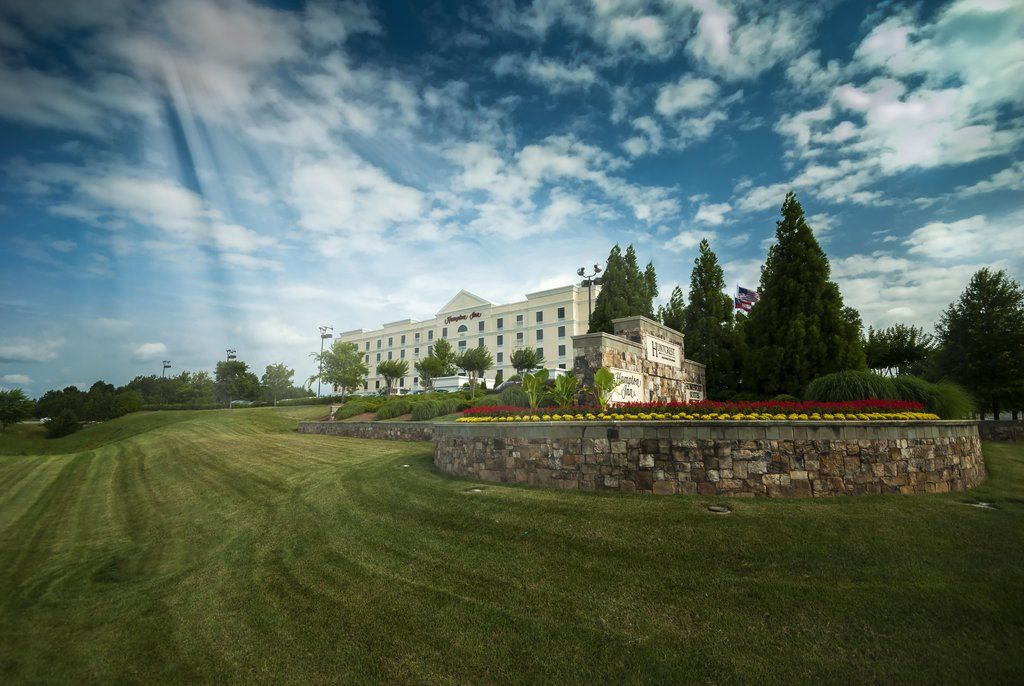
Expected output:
(391, 341)
(501, 341)
(501, 323)
(540, 334)
(561, 313)
(430, 335)
(378, 344)
(444, 332)
(561, 332)
(500, 356)
(367, 360)
(430, 350)
(540, 316)
(401, 353)
(417, 338)
(401, 382)
(389, 354)
(366, 385)
(402, 340)
(378, 357)
(479, 342)
(519, 337)
(561, 366)
(480, 326)
(367, 345)
(519, 320)
(561, 351)
(463, 328)
(415, 380)
(416, 352)
(377, 383)
(462, 344)
(540, 353)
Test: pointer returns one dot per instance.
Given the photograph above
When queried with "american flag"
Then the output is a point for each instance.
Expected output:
(745, 298)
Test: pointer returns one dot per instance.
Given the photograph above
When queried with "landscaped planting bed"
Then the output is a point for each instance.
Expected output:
(861, 410)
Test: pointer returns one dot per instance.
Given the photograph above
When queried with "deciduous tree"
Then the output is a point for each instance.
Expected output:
(14, 407)
(277, 380)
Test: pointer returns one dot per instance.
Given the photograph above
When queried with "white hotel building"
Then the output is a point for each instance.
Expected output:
(546, 321)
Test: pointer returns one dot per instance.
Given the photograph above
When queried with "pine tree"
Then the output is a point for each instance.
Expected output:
(982, 340)
(799, 330)
(625, 291)
(672, 313)
(708, 325)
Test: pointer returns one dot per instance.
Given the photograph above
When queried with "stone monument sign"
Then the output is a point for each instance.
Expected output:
(646, 356)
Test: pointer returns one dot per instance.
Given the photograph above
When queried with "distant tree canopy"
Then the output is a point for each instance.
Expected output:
(981, 339)
(475, 362)
(799, 330)
(234, 381)
(898, 349)
(625, 291)
(525, 359)
(343, 367)
(14, 407)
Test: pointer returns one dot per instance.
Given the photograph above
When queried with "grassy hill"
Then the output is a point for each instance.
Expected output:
(222, 546)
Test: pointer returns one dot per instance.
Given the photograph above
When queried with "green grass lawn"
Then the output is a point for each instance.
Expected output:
(222, 546)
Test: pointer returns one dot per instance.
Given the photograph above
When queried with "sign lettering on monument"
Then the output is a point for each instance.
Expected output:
(630, 388)
(661, 351)
(694, 391)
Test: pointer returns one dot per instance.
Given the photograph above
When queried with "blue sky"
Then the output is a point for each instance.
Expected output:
(187, 176)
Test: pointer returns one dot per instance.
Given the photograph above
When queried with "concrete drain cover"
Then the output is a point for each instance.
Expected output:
(473, 490)
(404, 465)
(984, 506)
(718, 509)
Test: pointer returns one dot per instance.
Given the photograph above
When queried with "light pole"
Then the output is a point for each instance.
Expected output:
(167, 365)
(231, 356)
(324, 335)
(590, 281)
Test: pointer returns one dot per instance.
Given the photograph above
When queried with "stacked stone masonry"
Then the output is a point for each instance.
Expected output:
(387, 431)
(1004, 430)
(794, 459)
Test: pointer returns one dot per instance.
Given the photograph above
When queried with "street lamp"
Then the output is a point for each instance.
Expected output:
(167, 365)
(324, 335)
(590, 280)
(231, 354)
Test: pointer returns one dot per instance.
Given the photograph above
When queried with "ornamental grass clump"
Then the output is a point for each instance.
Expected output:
(850, 385)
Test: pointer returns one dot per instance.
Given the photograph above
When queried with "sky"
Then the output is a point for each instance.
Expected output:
(188, 176)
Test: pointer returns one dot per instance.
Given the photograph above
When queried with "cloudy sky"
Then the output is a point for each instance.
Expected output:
(186, 176)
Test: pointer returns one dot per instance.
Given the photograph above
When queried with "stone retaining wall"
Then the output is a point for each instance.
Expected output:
(388, 431)
(1004, 430)
(726, 458)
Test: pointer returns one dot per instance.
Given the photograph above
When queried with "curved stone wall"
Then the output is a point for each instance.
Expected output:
(747, 458)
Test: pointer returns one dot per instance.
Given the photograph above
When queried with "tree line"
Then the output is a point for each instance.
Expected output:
(232, 380)
(800, 329)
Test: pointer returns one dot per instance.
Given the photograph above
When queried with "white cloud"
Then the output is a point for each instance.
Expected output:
(687, 239)
(972, 237)
(712, 213)
(689, 93)
(25, 350)
(556, 76)
(149, 351)
(16, 379)
(1008, 179)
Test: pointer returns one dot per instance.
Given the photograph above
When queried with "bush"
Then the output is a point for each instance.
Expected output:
(64, 424)
(786, 398)
(394, 408)
(425, 410)
(850, 385)
(514, 395)
(914, 388)
(951, 401)
(325, 400)
(352, 408)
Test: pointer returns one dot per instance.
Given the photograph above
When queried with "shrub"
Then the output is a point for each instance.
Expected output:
(427, 409)
(850, 385)
(394, 408)
(745, 397)
(786, 398)
(951, 401)
(351, 409)
(65, 423)
(514, 395)
(914, 388)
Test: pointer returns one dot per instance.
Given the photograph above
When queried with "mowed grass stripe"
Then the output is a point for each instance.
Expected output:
(223, 546)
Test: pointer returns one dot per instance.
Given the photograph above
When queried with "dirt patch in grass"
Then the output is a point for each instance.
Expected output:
(364, 417)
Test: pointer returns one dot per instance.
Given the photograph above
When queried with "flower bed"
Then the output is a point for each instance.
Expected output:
(709, 410)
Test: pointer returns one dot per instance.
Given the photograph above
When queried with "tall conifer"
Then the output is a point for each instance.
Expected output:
(673, 312)
(626, 291)
(798, 330)
(708, 324)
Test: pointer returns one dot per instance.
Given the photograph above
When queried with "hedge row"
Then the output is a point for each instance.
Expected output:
(946, 399)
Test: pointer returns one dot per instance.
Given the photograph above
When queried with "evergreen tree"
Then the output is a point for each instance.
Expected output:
(708, 323)
(799, 329)
(672, 313)
(982, 340)
(625, 291)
